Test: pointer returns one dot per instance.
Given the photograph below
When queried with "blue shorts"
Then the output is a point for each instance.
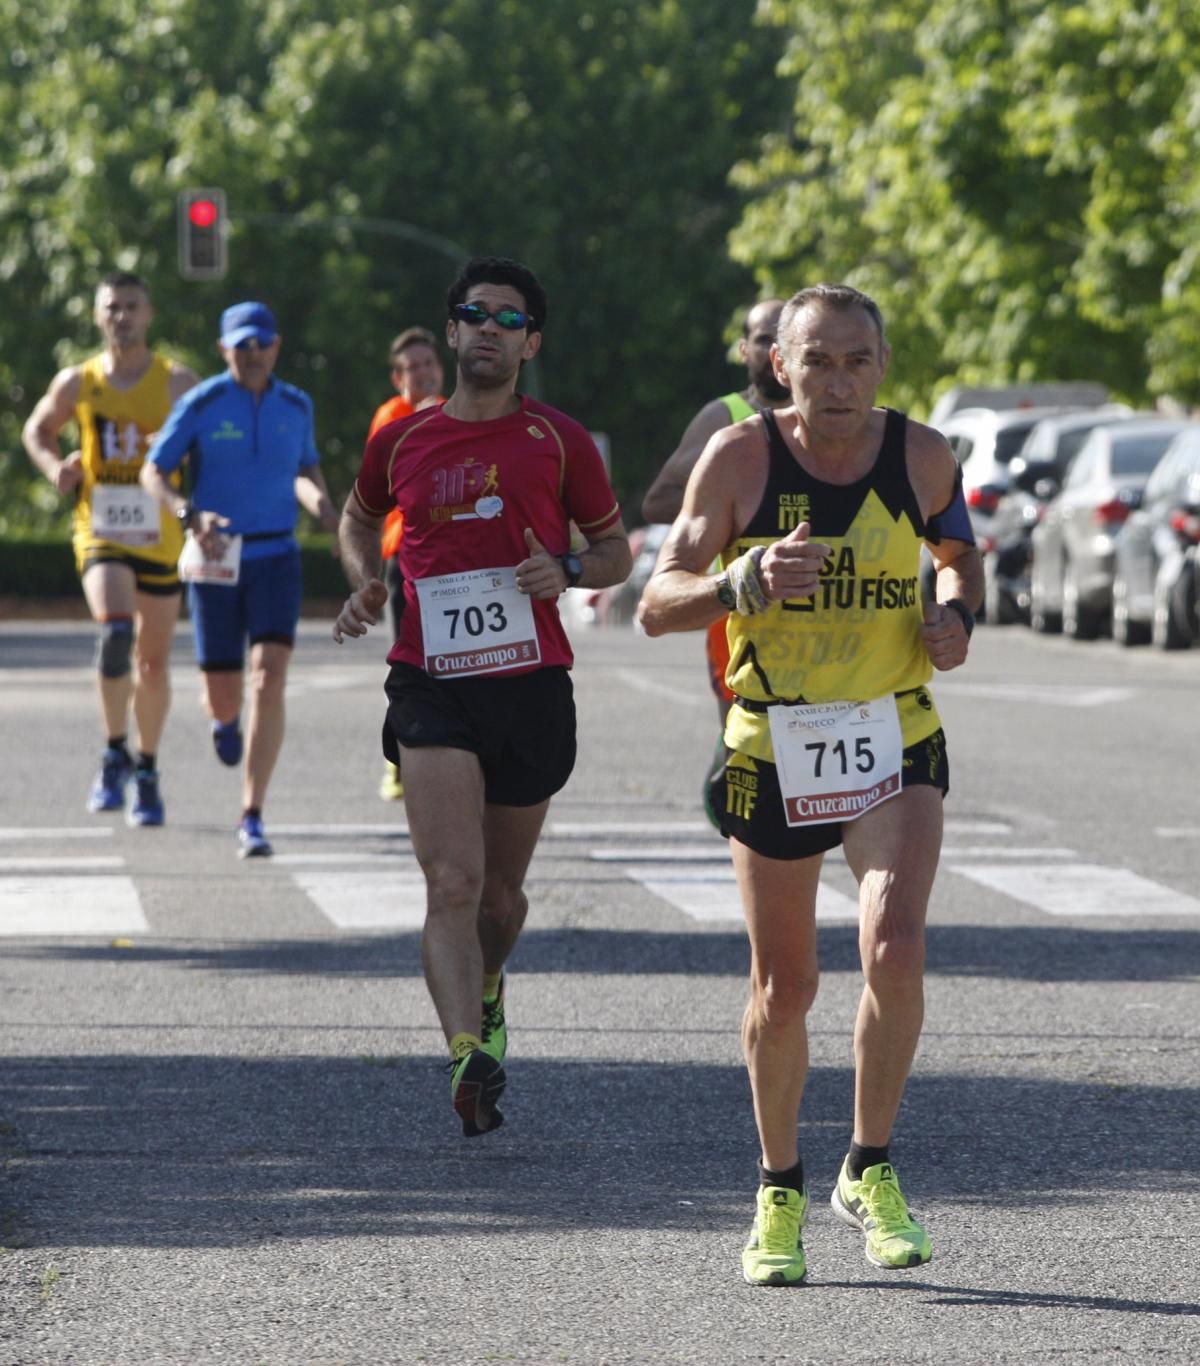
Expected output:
(263, 606)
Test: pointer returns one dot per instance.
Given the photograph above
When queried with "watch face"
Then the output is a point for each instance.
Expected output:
(725, 594)
(574, 569)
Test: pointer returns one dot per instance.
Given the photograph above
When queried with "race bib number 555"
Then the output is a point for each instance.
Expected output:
(476, 622)
(836, 760)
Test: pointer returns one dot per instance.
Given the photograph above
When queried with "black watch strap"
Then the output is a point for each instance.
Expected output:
(968, 617)
(572, 568)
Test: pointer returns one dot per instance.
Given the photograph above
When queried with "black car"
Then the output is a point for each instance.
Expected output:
(1008, 549)
(1155, 571)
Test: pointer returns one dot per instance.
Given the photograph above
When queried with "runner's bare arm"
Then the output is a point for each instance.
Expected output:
(934, 475)
(359, 534)
(681, 595)
(312, 493)
(180, 380)
(665, 496)
(50, 415)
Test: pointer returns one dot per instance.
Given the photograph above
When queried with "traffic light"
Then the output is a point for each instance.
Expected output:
(202, 230)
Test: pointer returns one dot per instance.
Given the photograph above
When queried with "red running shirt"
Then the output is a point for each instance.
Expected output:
(468, 490)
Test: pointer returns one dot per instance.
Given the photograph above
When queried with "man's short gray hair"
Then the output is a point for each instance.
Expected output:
(833, 296)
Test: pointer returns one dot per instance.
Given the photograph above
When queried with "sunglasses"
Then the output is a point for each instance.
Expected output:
(511, 319)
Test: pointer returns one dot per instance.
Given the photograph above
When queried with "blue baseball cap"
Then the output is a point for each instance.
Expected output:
(240, 322)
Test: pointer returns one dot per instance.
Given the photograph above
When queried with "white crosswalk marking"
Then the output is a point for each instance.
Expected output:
(393, 900)
(56, 906)
(61, 834)
(1078, 889)
(37, 864)
(709, 893)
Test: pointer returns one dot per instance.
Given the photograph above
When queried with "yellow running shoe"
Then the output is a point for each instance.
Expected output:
(774, 1254)
(391, 789)
(875, 1205)
(494, 1032)
(476, 1084)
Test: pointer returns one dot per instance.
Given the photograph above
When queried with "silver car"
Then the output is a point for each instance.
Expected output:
(1073, 544)
(1154, 582)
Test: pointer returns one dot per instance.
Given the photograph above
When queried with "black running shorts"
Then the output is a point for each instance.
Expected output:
(744, 796)
(521, 727)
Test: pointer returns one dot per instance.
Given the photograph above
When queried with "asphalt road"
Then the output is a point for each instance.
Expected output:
(225, 1123)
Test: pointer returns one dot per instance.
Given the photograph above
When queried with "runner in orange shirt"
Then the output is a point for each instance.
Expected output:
(418, 377)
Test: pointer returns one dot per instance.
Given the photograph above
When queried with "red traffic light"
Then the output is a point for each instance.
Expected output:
(202, 212)
(203, 223)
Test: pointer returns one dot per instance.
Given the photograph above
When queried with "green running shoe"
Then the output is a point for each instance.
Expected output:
(875, 1205)
(476, 1083)
(494, 1032)
(774, 1254)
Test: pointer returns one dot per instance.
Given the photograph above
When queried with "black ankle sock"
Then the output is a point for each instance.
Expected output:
(117, 742)
(252, 811)
(860, 1158)
(145, 762)
(793, 1177)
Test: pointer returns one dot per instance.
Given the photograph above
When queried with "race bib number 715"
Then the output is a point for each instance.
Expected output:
(836, 760)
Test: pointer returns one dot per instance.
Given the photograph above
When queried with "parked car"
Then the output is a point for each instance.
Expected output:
(1154, 579)
(1073, 543)
(1068, 394)
(984, 441)
(1036, 474)
(616, 606)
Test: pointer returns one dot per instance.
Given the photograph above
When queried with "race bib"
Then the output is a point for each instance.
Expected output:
(836, 760)
(125, 513)
(476, 623)
(194, 568)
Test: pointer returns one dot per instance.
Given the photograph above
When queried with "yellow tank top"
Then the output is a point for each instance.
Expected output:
(858, 637)
(115, 426)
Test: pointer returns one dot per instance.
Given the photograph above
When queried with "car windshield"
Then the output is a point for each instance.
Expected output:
(1138, 454)
(1011, 439)
(1069, 443)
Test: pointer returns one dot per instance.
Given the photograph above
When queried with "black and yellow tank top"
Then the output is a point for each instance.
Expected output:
(115, 426)
(859, 636)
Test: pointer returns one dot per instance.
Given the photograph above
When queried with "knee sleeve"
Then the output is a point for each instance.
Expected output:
(114, 648)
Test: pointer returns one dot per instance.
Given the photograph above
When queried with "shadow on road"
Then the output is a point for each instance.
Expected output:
(1032, 953)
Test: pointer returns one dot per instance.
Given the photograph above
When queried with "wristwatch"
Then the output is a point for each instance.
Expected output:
(572, 568)
(185, 515)
(968, 617)
(725, 595)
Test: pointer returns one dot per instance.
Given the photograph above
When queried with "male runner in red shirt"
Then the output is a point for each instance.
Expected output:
(480, 700)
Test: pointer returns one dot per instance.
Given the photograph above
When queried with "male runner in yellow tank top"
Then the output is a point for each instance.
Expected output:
(126, 546)
(818, 512)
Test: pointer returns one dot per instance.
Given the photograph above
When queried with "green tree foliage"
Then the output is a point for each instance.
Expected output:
(362, 147)
(1015, 181)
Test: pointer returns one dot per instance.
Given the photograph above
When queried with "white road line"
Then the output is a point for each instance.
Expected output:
(977, 828)
(992, 851)
(1177, 832)
(605, 829)
(682, 854)
(368, 901)
(341, 831)
(66, 833)
(640, 683)
(1079, 889)
(349, 859)
(55, 906)
(1043, 694)
(713, 894)
(58, 864)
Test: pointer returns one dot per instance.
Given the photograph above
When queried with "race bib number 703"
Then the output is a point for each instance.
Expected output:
(476, 622)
